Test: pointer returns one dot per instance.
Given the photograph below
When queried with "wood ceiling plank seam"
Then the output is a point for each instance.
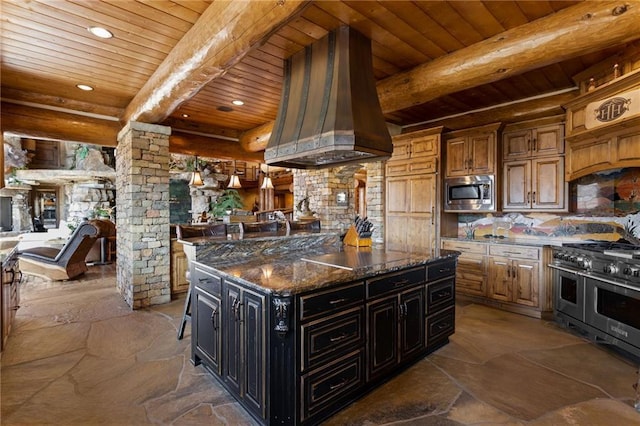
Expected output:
(273, 49)
(400, 36)
(140, 15)
(77, 56)
(251, 79)
(173, 9)
(264, 56)
(507, 13)
(182, 124)
(373, 31)
(557, 75)
(262, 66)
(536, 82)
(431, 28)
(196, 6)
(243, 93)
(311, 29)
(479, 17)
(28, 52)
(132, 51)
(382, 68)
(119, 21)
(296, 36)
(452, 22)
(251, 82)
(321, 17)
(536, 9)
(70, 24)
(285, 45)
(11, 79)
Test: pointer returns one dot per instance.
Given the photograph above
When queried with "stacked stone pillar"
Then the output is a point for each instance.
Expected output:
(142, 184)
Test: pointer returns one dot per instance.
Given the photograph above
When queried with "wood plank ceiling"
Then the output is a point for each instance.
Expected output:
(47, 51)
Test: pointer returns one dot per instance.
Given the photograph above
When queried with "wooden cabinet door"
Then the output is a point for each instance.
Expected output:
(382, 324)
(548, 140)
(457, 164)
(471, 275)
(427, 146)
(500, 278)
(547, 183)
(482, 154)
(525, 282)
(397, 196)
(207, 336)
(516, 185)
(252, 318)
(179, 266)
(516, 144)
(412, 325)
(401, 150)
(233, 353)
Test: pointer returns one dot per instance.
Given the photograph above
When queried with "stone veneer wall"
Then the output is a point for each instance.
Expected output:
(322, 185)
(142, 184)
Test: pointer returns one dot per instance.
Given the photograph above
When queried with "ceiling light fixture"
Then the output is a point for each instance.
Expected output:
(237, 102)
(84, 87)
(100, 32)
(196, 177)
(267, 183)
(234, 180)
(185, 115)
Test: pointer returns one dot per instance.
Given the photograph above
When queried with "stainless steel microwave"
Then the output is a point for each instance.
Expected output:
(470, 193)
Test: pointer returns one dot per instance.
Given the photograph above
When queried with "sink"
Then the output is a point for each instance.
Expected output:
(355, 259)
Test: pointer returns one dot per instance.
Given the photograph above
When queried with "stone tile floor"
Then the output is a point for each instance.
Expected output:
(78, 355)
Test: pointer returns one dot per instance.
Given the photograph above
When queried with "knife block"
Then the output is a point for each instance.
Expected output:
(352, 239)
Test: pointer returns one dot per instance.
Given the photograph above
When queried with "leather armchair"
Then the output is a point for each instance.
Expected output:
(69, 261)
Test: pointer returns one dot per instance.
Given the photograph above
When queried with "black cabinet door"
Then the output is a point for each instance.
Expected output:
(207, 335)
(412, 335)
(233, 359)
(253, 323)
(382, 323)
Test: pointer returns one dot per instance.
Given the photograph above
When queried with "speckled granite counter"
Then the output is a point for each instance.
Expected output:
(512, 241)
(299, 271)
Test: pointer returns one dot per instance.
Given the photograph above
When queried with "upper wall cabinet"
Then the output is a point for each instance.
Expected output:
(471, 151)
(532, 142)
(423, 143)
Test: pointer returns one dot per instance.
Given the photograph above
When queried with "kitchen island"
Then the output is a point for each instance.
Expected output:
(298, 335)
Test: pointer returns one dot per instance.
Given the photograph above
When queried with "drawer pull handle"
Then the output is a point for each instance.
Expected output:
(338, 385)
(340, 337)
(445, 270)
(442, 326)
(400, 283)
(443, 293)
(335, 302)
(214, 315)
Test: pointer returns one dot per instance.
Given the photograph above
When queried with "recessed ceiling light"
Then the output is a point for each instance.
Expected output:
(224, 108)
(185, 115)
(84, 87)
(100, 32)
(237, 102)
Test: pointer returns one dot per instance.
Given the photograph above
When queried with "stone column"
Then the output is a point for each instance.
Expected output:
(142, 184)
(376, 198)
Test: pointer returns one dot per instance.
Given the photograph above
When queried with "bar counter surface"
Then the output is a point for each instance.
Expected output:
(303, 326)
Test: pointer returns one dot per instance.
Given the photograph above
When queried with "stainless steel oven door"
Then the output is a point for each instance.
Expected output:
(568, 288)
(614, 308)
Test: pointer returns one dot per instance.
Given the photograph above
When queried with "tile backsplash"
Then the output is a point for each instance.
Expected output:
(605, 206)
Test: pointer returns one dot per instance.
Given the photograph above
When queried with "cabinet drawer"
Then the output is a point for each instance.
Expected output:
(465, 247)
(324, 386)
(395, 281)
(440, 326)
(440, 295)
(328, 301)
(440, 270)
(331, 337)
(207, 282)
(531, 253)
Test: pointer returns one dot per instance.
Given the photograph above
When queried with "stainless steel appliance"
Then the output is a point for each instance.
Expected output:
(470, 193)
(597, 290)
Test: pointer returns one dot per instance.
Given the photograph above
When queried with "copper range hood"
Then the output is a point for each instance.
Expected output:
(329, 111)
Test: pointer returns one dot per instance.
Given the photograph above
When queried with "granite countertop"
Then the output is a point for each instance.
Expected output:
(6, 248)
(289, 273)
(255, 236)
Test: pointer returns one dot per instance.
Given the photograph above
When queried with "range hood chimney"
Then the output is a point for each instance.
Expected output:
(329, 111)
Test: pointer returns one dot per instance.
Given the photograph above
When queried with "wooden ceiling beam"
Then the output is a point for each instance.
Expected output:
(40, 123)
(571, 32)
(224, 34)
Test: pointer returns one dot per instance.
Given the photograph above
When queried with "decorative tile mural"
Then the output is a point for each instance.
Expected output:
(606, 207)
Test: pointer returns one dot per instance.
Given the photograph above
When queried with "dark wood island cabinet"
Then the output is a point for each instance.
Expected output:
(295, 339)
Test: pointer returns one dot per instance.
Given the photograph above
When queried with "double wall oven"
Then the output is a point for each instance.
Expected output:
(597, 289)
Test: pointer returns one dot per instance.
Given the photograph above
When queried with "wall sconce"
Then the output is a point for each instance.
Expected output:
(234, 180)
(267, 183)
(196, 177)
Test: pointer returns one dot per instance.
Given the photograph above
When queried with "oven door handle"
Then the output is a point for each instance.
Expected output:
(560, 268)
(605, 280)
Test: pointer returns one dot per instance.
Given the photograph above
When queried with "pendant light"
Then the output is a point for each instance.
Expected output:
(234, 181)
(267, 183)
(196, 177)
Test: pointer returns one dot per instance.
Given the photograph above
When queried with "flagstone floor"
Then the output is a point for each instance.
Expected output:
(78, 355)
